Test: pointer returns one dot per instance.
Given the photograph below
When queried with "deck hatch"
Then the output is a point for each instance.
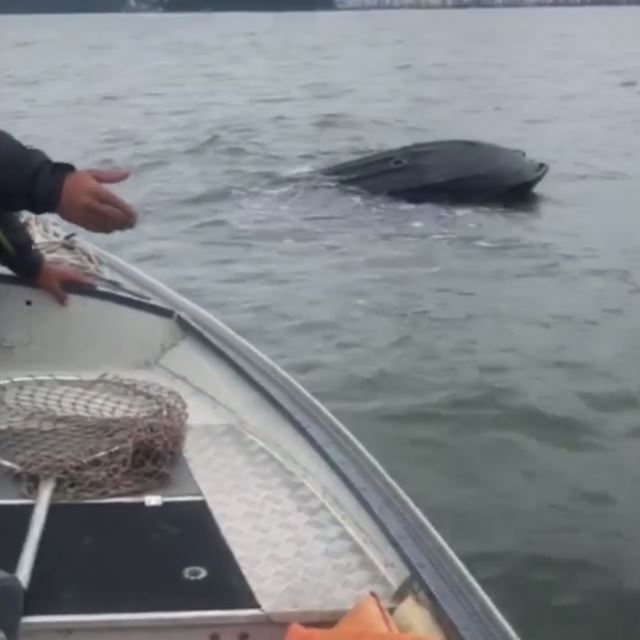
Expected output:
(126, 558)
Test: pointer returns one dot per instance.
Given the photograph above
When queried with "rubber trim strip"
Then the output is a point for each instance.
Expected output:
(100, 294)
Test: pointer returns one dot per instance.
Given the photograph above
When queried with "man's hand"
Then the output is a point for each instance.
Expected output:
(53, 277)
(86, 203)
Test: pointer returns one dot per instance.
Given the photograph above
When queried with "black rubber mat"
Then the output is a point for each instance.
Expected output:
(130, 558)
(14, 520)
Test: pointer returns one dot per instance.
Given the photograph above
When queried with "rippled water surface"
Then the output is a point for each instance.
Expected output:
(490, 359)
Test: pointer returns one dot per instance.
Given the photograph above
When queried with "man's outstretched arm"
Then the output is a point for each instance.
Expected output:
(29, 179)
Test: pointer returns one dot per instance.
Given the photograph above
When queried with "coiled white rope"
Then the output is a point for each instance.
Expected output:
(56, 246)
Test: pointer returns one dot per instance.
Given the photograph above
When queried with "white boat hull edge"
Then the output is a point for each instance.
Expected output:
(313, 521)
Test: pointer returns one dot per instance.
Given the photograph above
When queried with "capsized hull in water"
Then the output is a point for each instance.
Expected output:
(447, 170)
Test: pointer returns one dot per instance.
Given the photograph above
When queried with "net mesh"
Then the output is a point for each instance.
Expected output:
(98, 438)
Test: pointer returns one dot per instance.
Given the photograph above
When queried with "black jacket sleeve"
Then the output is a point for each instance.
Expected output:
(29, 179)
(16, 246)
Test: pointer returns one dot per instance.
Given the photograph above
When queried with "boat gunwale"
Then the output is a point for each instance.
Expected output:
(433, 565)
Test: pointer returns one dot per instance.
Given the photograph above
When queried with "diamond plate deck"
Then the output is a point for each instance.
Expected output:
(295, 552)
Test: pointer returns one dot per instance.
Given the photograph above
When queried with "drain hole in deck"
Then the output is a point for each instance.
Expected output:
(195, 573)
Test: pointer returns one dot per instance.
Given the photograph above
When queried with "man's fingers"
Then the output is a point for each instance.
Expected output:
(109, 176)
(53, 278)
(112, 200)
(58, 292)
(88, 204)
(107, 218)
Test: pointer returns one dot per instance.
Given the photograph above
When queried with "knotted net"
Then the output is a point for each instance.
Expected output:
(97, 438)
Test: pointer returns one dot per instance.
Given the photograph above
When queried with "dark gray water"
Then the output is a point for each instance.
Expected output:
(491, 360)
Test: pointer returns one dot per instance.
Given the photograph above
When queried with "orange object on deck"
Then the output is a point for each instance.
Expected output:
(366, 620)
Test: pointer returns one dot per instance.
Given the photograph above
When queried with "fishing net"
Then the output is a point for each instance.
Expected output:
(97, 438)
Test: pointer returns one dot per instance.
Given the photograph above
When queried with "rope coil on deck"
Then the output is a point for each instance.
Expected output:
(56, 246)
(98, 437)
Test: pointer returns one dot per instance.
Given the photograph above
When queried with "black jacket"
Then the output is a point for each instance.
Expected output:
(29, 181)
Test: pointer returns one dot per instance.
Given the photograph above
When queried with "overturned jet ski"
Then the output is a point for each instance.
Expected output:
(461, 171)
